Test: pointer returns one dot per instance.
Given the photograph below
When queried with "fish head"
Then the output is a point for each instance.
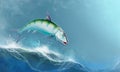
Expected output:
(61, 36)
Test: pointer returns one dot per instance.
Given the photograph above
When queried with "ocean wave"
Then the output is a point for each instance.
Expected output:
(41, 59)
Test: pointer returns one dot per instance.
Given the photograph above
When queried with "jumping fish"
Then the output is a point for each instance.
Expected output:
(48, 27)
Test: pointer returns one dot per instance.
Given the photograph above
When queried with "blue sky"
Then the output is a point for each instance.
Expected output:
(92, 26)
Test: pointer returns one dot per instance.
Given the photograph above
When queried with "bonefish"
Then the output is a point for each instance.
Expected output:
(48, 27)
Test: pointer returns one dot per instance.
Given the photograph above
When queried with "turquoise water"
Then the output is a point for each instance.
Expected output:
(92, 28)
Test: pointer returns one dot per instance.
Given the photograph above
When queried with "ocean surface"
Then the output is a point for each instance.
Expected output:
(92, 28)
(40, 59)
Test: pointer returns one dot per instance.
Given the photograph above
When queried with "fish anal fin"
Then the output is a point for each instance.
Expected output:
(34, 31)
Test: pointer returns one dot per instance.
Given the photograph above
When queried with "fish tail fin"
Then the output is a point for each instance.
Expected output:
(18, 39)
(19, 33)
(16, 30)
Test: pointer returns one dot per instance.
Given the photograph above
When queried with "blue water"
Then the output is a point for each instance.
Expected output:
(92, 28)
(36, 60)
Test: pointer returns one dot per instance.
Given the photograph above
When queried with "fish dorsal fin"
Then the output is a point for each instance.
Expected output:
(48, 18)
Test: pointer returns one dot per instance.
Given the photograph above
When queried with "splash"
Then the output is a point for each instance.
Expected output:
(40, 59)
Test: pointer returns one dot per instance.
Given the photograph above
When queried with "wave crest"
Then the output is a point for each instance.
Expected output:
(40, 59)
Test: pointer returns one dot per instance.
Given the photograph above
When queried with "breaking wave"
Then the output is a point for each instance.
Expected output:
(41, 58)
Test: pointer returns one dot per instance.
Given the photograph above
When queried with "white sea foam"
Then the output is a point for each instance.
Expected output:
(41, 53)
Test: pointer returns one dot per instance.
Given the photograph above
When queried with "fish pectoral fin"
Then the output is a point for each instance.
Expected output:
(51, 36)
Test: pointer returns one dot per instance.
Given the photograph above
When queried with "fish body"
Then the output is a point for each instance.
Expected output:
(41, 25)
(46, 26)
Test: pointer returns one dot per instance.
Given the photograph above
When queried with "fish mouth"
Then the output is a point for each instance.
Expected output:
(64, 43)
